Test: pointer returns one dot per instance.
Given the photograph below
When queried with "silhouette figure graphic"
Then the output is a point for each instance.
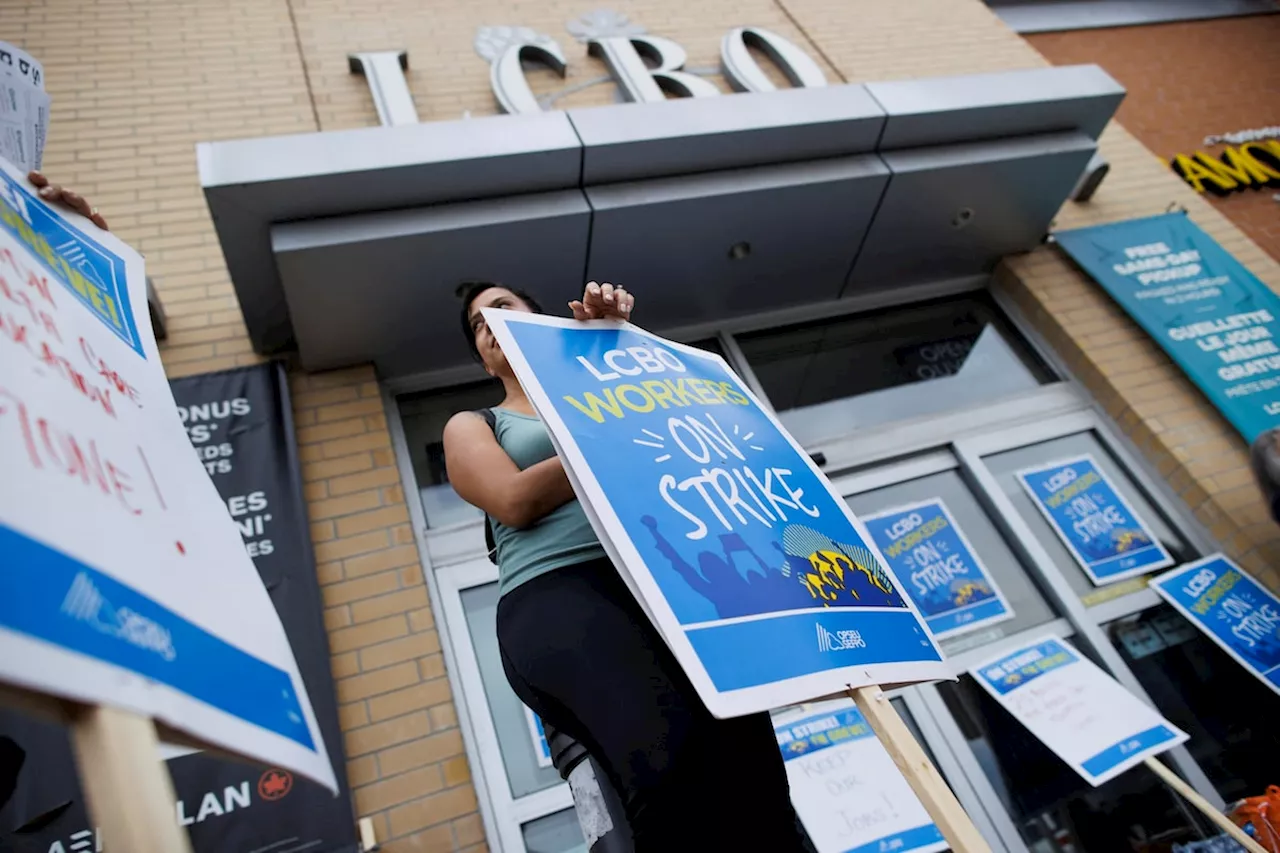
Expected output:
(828, 574)
(718, 580)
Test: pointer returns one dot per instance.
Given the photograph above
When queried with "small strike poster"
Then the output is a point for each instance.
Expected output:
(1093, 520)
(929, 553)
(1230, 608)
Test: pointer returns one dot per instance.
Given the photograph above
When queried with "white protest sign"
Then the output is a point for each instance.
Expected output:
(24, 108)
(845, 787)
(125, 582)
(765, 586)
(1076, 709)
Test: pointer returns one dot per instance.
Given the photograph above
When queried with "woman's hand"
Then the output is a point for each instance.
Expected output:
(603, 301)
(55, 194)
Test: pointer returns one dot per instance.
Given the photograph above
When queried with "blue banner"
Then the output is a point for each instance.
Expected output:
(1096, 524)
(931, 557)
(1234, 610)
(1213, 317)
(763, 569)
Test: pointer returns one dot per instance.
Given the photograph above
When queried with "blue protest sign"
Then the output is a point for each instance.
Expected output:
(929, 554)
(1213, 317)
(1076, 709)
(754, 571)
(1232, 609)
(848, 793)
(541, 748)
(1096, 524)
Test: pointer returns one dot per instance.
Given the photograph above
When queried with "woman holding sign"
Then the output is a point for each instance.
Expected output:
(576, 646)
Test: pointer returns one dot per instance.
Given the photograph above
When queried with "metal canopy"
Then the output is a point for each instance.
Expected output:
(350, 245)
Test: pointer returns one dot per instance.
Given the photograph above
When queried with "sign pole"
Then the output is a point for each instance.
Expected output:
(126, 785)
(1192, 796)
(925, 781)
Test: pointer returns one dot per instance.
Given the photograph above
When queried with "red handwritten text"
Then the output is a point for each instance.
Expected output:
(51, 448)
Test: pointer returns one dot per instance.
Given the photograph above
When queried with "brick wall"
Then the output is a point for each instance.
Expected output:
(1187, 81)
(136, 83)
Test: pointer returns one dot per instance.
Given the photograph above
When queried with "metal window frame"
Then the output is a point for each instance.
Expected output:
(1028, 547)
(510, 813)
(496, 814)
(1065, 15)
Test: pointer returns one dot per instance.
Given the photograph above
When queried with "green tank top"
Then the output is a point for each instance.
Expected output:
(562, 537)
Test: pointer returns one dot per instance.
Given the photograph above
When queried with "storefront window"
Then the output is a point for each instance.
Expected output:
(1230, 715)
(424, 416)
(826, 379)
(558, 832)
(1054, 810)
(1028, 604)
(1005, 466)
(524, 774)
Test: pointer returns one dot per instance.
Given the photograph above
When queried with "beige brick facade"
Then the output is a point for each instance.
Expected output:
(1190, 80)
(137, 83)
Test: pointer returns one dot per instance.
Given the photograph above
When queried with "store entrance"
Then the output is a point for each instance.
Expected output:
(943, 401)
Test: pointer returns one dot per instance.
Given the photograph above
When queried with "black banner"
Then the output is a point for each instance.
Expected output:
(240, 423)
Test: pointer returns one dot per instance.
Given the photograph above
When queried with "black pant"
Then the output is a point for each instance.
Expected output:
(580, 652)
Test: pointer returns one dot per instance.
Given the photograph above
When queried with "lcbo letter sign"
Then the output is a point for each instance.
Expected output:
(641, 81)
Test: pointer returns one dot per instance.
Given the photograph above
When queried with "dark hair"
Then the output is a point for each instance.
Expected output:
(469, 290)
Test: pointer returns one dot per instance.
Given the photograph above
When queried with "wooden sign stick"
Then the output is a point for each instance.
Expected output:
(1192, 796)
(126, 785)
(928, 784)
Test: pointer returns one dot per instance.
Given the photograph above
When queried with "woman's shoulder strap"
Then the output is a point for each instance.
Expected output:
(491, 418)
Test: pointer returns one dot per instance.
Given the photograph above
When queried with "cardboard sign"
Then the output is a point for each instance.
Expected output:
(767, 589)
(1212, 316)
(1076, 709)
(848, 793)
(126, 582)
(929, 553)
(1099, 528)
(1232, 609)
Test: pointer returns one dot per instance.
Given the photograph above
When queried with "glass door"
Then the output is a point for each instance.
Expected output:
(1033, 801)
(529, 807)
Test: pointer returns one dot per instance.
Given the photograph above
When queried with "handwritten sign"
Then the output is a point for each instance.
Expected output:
(1091, 518)
(767, 589)
(1076, 709)
(1232, 609)
(930, 555)
(845, 787)
(125, 581)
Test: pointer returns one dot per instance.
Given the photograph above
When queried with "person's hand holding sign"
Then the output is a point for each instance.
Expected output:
(603, 301)
(56, 194)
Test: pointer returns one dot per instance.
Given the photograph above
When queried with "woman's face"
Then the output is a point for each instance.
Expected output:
(490, 353)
